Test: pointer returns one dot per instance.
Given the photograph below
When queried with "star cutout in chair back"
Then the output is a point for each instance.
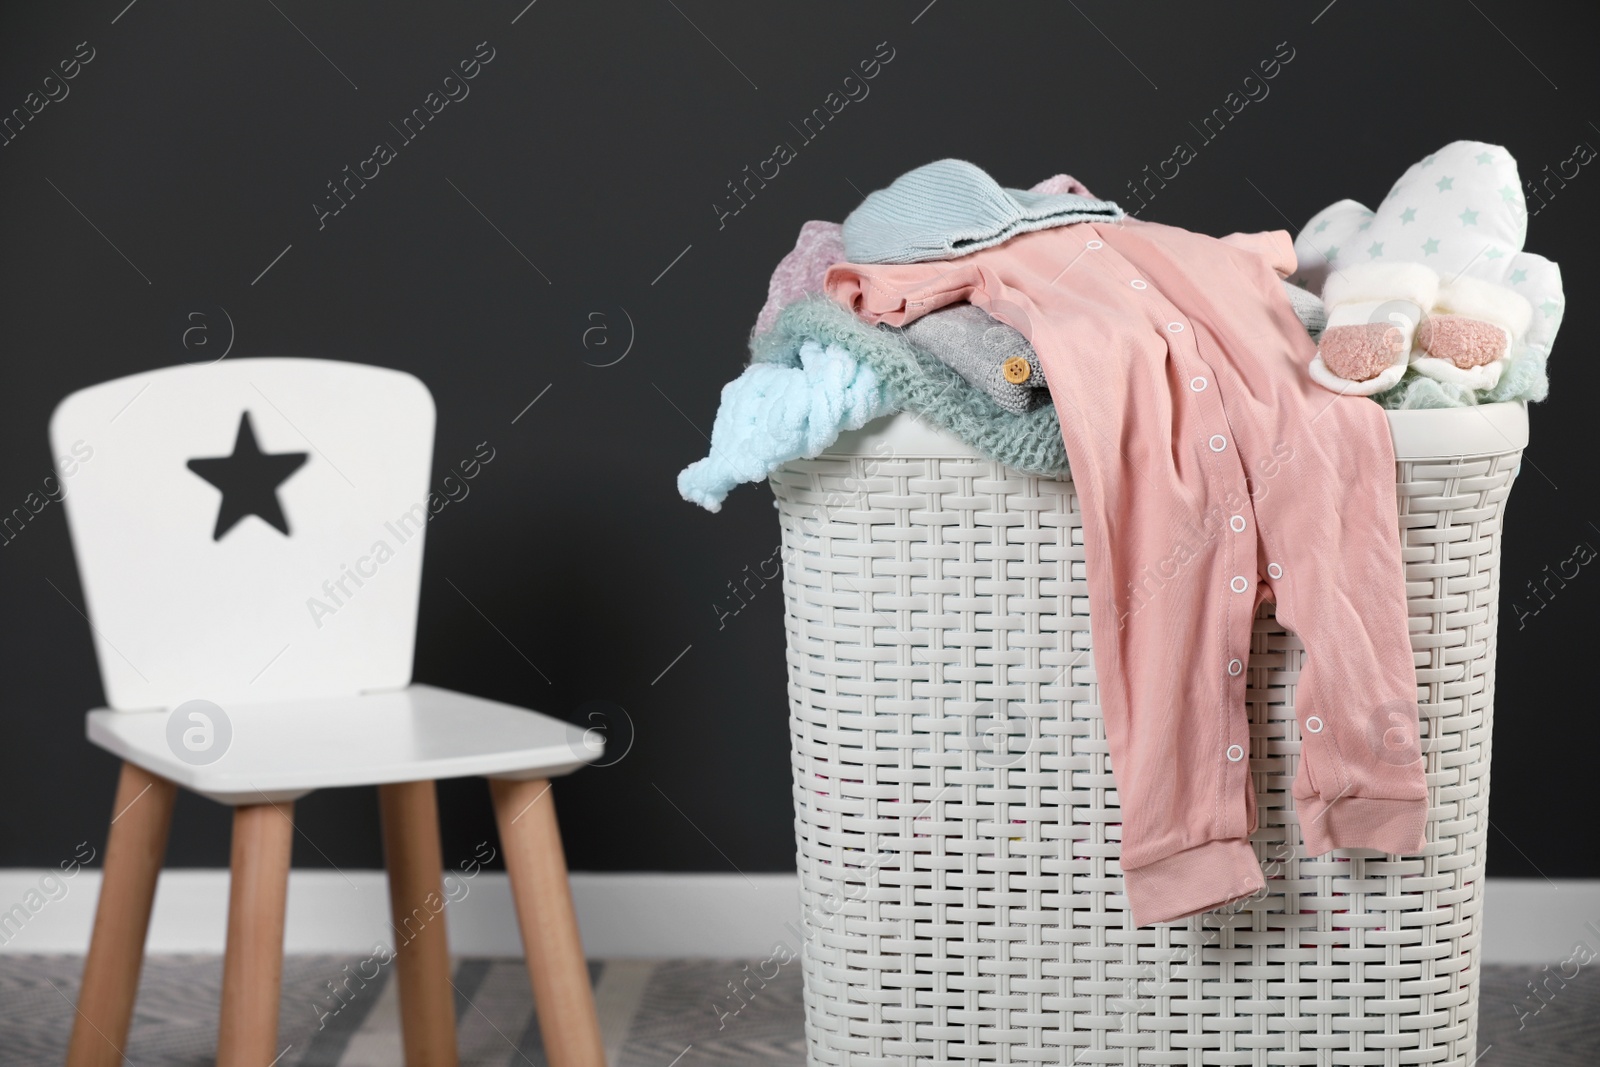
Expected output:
(249, 480)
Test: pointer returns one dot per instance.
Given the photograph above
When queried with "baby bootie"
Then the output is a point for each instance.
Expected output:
(1373, 313)
(1469, 331)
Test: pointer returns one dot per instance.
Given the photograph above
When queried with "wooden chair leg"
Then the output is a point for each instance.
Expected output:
(252, 969)
(526, 814)
(140, 818)
(416, 910)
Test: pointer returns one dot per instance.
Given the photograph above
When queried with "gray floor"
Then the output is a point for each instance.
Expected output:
(653, 1014)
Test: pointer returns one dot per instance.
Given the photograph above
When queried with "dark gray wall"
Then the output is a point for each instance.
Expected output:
(599, 141)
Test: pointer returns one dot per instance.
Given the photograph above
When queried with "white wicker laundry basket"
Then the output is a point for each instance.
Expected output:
(956, 821)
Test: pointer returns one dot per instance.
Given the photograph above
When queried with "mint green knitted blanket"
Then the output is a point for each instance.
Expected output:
(918, 382)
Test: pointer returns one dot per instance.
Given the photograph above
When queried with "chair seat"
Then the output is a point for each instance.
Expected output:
(284, 749)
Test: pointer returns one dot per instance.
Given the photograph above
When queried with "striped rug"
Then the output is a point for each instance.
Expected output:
(657, 1013)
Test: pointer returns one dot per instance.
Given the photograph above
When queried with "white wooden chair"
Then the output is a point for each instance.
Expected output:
(277, 578)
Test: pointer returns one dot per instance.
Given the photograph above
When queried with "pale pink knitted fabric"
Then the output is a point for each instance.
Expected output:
(821, 245)
(1062, 183)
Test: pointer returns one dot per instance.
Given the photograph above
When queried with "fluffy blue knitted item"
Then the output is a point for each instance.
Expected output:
(775, 412)
(951, 207)
(918, 382)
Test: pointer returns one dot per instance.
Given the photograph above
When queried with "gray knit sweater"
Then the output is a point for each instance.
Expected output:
(968, 340)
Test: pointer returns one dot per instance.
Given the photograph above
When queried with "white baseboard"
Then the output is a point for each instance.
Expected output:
(639, 916)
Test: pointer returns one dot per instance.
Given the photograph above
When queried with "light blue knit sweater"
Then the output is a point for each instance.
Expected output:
(951, 207)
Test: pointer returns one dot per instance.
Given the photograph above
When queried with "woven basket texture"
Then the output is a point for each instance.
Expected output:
(957, 821)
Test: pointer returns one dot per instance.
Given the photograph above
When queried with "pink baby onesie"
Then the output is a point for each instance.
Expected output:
(1213, 474)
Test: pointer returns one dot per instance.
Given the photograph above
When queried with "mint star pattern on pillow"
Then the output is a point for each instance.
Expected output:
(1440, 306)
